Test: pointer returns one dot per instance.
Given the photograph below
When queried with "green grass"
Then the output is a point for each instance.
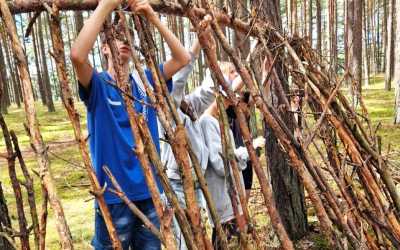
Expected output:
(71, 181)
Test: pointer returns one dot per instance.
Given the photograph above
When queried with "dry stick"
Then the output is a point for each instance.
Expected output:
(43, 218)
(372, 187)
(322, 117)
(35, 135)
(369, 182)
(135, 210)
(23, 230)
(28, 184)
(152, 151)
(357, 139)
(5, 221)
(139, 150)
(265, 187)
(9, 240)
(235, 183)
(183, 134)
(281, 134)
(178, 144)
(324, 187)
(59, 57)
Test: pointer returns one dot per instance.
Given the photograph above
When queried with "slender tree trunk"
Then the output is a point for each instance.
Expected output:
(385, 24)
(22, 28)
(391, 27)
(3, 83)
(366, 48)
(310, 22)
(355, 47)
(48, 92)
(333, 35)
(294, 24)
(286, 184)
(396, 77)
(39, 78)
(319, 27)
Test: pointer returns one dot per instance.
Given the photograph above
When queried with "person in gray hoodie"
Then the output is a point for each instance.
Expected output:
(190, 107)
(215, 174)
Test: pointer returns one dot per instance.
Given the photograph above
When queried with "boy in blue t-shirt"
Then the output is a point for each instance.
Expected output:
(110, 138)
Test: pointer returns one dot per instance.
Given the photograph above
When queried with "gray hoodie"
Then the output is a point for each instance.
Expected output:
(215, 173)
(200, 99)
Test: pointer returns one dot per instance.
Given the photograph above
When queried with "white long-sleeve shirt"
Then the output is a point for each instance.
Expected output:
(200, 99)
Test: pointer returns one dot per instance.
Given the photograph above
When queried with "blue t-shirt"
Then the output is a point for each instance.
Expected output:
(110, 136)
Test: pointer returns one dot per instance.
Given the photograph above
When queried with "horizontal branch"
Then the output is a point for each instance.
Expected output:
(168, 8)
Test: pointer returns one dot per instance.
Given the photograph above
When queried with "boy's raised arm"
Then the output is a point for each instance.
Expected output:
(180, 56)
(87, 36)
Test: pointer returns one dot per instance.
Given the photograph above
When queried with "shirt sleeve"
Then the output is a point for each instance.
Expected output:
(202, 97)
(90, 95)
(212, 138)
(151, 80)
(180, 80)
(242, 157)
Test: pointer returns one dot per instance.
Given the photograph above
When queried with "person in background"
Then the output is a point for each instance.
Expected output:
(215, 174)
(189, 108)
(234, 125)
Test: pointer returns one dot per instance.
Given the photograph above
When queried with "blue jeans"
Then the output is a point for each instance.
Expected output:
(131, 232)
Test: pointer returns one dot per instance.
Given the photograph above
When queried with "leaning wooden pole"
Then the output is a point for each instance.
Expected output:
(34, 132)
(151, 149)
(30, 189)
(23, 228)
(265, 186)
(117, 190)
(123, 84)
(177, 139)
(235, 188)
(180, 133)
(66, 96)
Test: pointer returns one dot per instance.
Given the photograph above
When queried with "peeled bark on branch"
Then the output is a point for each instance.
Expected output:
(34, 132)
(135, 210)
(28, 184)
(59, 56)
(23, 228)
(142, 155)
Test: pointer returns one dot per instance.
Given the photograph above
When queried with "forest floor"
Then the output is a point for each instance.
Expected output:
(73, 186)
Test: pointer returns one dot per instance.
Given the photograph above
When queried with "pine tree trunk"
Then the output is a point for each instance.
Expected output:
(13, 84)
(310, 21)
(3, 83)
(48, 92)
(385, 24)
(396, 77)
(319, 27)
(390, 44)
(355, 42)
(39, 78)
(366, 48)
(287, 187)
(333, 35)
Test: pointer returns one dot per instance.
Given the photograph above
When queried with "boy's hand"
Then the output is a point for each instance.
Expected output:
(143, 7)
